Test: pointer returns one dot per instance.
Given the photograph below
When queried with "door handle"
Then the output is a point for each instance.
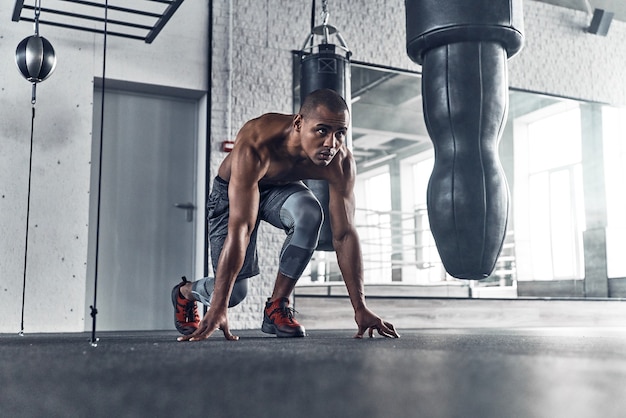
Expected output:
(189, 207)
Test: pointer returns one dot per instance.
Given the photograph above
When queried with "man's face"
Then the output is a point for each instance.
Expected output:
(322, 134)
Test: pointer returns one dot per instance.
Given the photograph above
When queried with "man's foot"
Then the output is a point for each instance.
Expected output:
(186, 317)
(278, 319)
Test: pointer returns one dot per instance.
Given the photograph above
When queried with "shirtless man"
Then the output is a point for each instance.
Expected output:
(261, 180)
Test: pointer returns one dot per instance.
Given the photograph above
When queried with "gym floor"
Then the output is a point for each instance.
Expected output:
(428, 372)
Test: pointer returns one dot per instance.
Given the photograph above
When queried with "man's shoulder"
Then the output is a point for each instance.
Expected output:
(342, 169)
(265, 127)
(271, 117)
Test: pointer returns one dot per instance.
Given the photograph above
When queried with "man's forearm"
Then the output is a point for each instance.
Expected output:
(350, 262)
(221, 291)
(229, 264)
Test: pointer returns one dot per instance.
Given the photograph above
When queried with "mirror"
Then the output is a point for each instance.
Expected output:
(565, 161)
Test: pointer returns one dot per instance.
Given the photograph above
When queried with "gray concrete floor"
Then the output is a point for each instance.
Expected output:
(442, 372)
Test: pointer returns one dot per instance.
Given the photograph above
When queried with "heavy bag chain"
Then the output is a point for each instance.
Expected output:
(325, 13)
(37, 13)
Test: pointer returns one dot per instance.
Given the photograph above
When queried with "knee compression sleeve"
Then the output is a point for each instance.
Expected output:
(203, 289)
(302, 216)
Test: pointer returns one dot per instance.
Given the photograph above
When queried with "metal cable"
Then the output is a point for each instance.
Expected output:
(94, 311)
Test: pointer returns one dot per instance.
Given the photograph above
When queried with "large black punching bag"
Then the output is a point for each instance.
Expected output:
(325, 69)
(463, 48)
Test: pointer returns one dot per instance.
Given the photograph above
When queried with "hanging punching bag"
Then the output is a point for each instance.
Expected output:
(325, 69)
(35, 58)
(463, 51)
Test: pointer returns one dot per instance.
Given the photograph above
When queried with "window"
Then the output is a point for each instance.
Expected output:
(419, 245)
(373, 222)
(548, 203)
(614, 129)
(549, 151)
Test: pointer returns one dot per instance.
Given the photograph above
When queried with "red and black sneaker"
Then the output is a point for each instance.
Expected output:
(278, 319)
(186, 317)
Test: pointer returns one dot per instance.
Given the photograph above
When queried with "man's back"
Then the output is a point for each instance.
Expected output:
(279, 148)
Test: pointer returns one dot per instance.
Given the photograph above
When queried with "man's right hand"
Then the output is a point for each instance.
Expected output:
(213, 320)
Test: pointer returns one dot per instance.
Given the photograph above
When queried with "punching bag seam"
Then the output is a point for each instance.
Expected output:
(500, 131)
(480, 150)
(454, 154)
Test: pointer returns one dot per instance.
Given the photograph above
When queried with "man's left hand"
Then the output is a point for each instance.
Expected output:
(369, 321)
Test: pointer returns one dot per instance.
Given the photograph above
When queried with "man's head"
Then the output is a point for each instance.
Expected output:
(322, 124)
(328, 98)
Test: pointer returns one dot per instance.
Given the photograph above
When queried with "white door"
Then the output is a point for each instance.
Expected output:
(147, 208)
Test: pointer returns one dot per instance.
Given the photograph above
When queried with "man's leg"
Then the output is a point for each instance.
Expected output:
(185, 294)
(301, 217)
(201, 291)
(283, 287)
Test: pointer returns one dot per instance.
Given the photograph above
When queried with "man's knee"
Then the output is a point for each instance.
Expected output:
(202, 290)
(302, 216)
(310, 218)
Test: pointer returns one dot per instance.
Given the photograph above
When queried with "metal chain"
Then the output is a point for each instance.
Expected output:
(325, 13)
(37, 13)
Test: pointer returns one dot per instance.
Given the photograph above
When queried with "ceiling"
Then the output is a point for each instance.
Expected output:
(618, 7)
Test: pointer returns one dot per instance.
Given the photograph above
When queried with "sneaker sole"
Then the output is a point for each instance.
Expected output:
(185, 330)
(270, 328)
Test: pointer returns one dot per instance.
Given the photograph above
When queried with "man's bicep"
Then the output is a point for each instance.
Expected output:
(243, 198)
(243, 189)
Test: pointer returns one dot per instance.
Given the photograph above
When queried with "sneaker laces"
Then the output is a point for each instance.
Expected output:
(284, 311)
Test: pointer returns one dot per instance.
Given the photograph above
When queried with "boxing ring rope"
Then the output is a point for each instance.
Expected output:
(402, 239)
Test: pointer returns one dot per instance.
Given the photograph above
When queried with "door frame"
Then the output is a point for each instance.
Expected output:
(203, 157)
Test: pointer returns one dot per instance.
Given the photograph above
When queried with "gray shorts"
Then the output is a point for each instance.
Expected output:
(271, 200)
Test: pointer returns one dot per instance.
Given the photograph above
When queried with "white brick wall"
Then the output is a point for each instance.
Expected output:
(559, 58)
